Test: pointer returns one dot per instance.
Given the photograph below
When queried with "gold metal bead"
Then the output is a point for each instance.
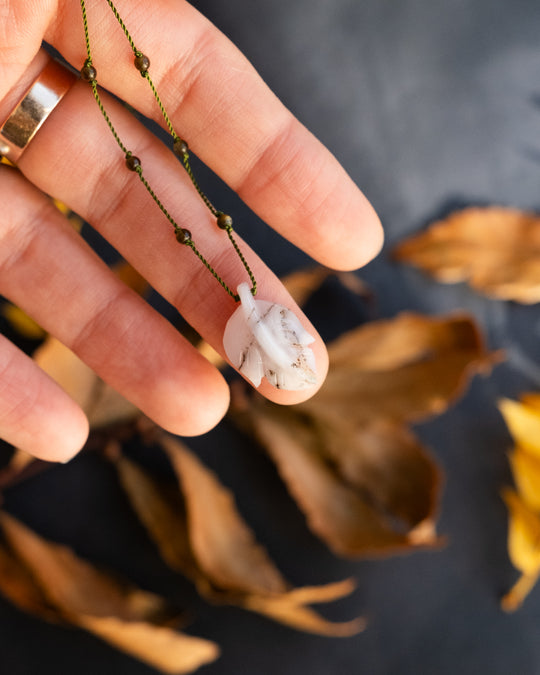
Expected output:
(88, 72)
(142, 63)
(132, 162)
(183, 236)
(224, 221)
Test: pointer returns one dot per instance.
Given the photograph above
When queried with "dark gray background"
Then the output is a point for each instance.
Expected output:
(429, 105)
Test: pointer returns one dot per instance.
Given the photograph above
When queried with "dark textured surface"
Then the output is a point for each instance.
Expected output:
(428, 105)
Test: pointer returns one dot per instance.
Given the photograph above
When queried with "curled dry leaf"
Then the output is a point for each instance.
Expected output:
(205, 538)
(523, 421)
(364, 482)
(495, 249)
(51, 577)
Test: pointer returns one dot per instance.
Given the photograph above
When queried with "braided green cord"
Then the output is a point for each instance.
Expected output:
(187, 167)
(107, 118)
(186, 239)
(244, 261)
(209, 267)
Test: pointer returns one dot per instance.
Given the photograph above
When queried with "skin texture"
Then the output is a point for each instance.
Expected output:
(235, 124)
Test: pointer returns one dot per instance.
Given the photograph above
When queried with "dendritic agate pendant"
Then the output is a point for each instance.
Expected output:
(263, 339)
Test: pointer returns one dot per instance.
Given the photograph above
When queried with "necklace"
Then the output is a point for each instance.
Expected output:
(261, 338)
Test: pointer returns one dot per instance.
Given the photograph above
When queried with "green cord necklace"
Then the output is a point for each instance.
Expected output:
(261, 338)
(180, 148)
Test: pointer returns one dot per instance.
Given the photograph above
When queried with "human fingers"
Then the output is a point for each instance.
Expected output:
(35, 414)
(231, 119)
(48, 270)
(75, 158)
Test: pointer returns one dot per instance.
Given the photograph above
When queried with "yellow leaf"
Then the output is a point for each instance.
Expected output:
(523, 422)
(523, 548)
(523, 534)
(74, 220)
(526, 472)
(22, 323)
(129, 276)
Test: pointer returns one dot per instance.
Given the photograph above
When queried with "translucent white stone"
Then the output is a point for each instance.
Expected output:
(263, 339)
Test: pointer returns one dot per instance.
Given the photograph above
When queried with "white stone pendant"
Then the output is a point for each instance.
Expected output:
(263, 339)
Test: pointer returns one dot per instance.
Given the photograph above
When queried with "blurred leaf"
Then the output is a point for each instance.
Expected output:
(364, 482)
(523, 421)
(290, 608)
(130, 277)
(101, 403)
(526, 472)
(87, 597)
(74, 220)
(223, 545)
(162, 512)
(22, 323)
(72, 584)
(523, 548)
(495, 249)
(162, 648)
(18, 585)
(204, 537)
(303, 283)
(406, 369)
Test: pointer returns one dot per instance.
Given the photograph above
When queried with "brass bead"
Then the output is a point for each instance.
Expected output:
(132, 162)
(142, 63)
(224, 221)
(183, 236)
(180, 148)
(88, 72)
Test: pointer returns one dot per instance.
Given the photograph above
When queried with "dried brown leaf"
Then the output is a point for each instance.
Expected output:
(207, 540)
(361, 477)
(346, 518)
(303, 283)
(161, 647)
(18, 585)
(223, 545)
(495, 249)
(73, 585)
(162, 512)
(405, 369)
(101, 403)
(123, 615)
(290, 609)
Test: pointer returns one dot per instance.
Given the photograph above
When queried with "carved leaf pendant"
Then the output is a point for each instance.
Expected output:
(263, 339)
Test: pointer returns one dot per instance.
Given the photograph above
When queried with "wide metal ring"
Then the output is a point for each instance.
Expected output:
(44, 94)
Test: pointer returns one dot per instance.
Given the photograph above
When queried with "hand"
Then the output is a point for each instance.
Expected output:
(233, 123)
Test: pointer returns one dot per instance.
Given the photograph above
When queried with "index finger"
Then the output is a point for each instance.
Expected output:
(231, 120)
